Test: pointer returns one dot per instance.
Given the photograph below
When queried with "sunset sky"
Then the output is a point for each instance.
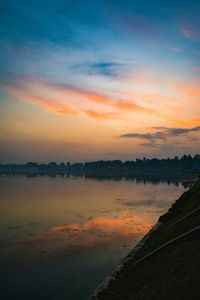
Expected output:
(99, 79)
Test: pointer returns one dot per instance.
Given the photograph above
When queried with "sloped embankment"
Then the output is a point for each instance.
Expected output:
(166, 263)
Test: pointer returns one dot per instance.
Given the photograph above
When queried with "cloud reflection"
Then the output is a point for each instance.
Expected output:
(94, 234)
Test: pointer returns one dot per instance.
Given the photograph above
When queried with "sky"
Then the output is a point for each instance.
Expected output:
(100, 79)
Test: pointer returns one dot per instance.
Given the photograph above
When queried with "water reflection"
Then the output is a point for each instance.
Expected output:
(112, 177)
(65, 235)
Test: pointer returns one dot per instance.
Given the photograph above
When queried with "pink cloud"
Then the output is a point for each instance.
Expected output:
(146, 100)
(71, 101)
(189, 30)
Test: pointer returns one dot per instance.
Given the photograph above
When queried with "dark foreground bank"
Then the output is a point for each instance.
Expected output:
(166, 263)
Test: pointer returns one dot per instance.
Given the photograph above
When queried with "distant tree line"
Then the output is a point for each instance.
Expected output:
(186, 161)
(138, 166)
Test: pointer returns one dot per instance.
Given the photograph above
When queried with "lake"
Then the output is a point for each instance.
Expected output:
(60, 237)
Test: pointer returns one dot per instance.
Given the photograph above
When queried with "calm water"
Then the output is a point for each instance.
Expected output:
(60, 237)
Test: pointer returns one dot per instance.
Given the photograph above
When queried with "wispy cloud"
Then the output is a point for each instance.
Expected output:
(178, 131)
(103, 115)
(69, 100)
(130, 64)
(165, 136)
(189, 30)
(145, 136)
(104, 68)
(188, 88)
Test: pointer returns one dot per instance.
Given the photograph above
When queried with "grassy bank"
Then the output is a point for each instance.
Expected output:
(167, 264)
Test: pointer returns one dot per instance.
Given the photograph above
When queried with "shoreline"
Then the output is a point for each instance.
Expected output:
(112, 287)
(125, 260)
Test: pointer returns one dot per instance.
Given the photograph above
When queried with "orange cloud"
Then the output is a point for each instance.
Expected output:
(191, 123)
(48, 104)
(124, 105)
(102, 115)
(71, 101)
(121, 104)
(189, 88)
